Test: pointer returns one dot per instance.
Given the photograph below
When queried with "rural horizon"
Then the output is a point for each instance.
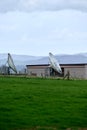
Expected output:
(43, 64)
(76, 53)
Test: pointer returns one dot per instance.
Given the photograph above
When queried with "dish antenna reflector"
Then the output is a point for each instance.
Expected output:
(54, 63)
(11, 63)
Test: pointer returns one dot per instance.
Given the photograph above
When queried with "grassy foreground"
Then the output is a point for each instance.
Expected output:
(42, 104)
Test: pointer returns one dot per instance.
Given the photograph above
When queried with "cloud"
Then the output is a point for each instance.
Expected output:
(37, 33)
(42, 5)
(8, 5)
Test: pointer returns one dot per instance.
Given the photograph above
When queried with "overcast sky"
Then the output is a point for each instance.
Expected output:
(37, 27)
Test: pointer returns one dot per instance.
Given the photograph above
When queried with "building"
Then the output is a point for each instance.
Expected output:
(76, 65)
(42, 70)
(78, 71)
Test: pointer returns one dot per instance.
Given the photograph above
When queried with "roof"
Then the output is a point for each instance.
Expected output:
(60, 65)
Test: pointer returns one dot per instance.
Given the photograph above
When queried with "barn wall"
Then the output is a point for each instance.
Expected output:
(37, 71)
(85, 71)
(76, 72)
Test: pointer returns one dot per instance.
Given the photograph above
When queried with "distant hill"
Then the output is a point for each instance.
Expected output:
(64, 59)
(18, 59)
(23, 60)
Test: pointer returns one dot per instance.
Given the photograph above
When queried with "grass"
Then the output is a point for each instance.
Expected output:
(42, 104)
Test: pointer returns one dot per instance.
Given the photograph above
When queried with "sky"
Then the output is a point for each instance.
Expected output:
(37, 27)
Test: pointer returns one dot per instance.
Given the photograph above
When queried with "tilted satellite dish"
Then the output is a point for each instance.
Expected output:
(11, 63)
(54, 63)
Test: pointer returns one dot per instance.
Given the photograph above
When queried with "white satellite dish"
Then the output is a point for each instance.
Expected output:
(54, 63)
(11, 63)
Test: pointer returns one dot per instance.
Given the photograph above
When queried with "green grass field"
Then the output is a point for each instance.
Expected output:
(42, 104)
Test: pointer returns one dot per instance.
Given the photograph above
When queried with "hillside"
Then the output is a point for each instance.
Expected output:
(23, 60)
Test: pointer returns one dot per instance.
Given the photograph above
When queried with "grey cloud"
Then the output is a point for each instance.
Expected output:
(8, 5)
(42, 5)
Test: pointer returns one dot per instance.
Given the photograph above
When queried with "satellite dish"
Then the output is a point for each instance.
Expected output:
(54, 63)
(11, 63)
